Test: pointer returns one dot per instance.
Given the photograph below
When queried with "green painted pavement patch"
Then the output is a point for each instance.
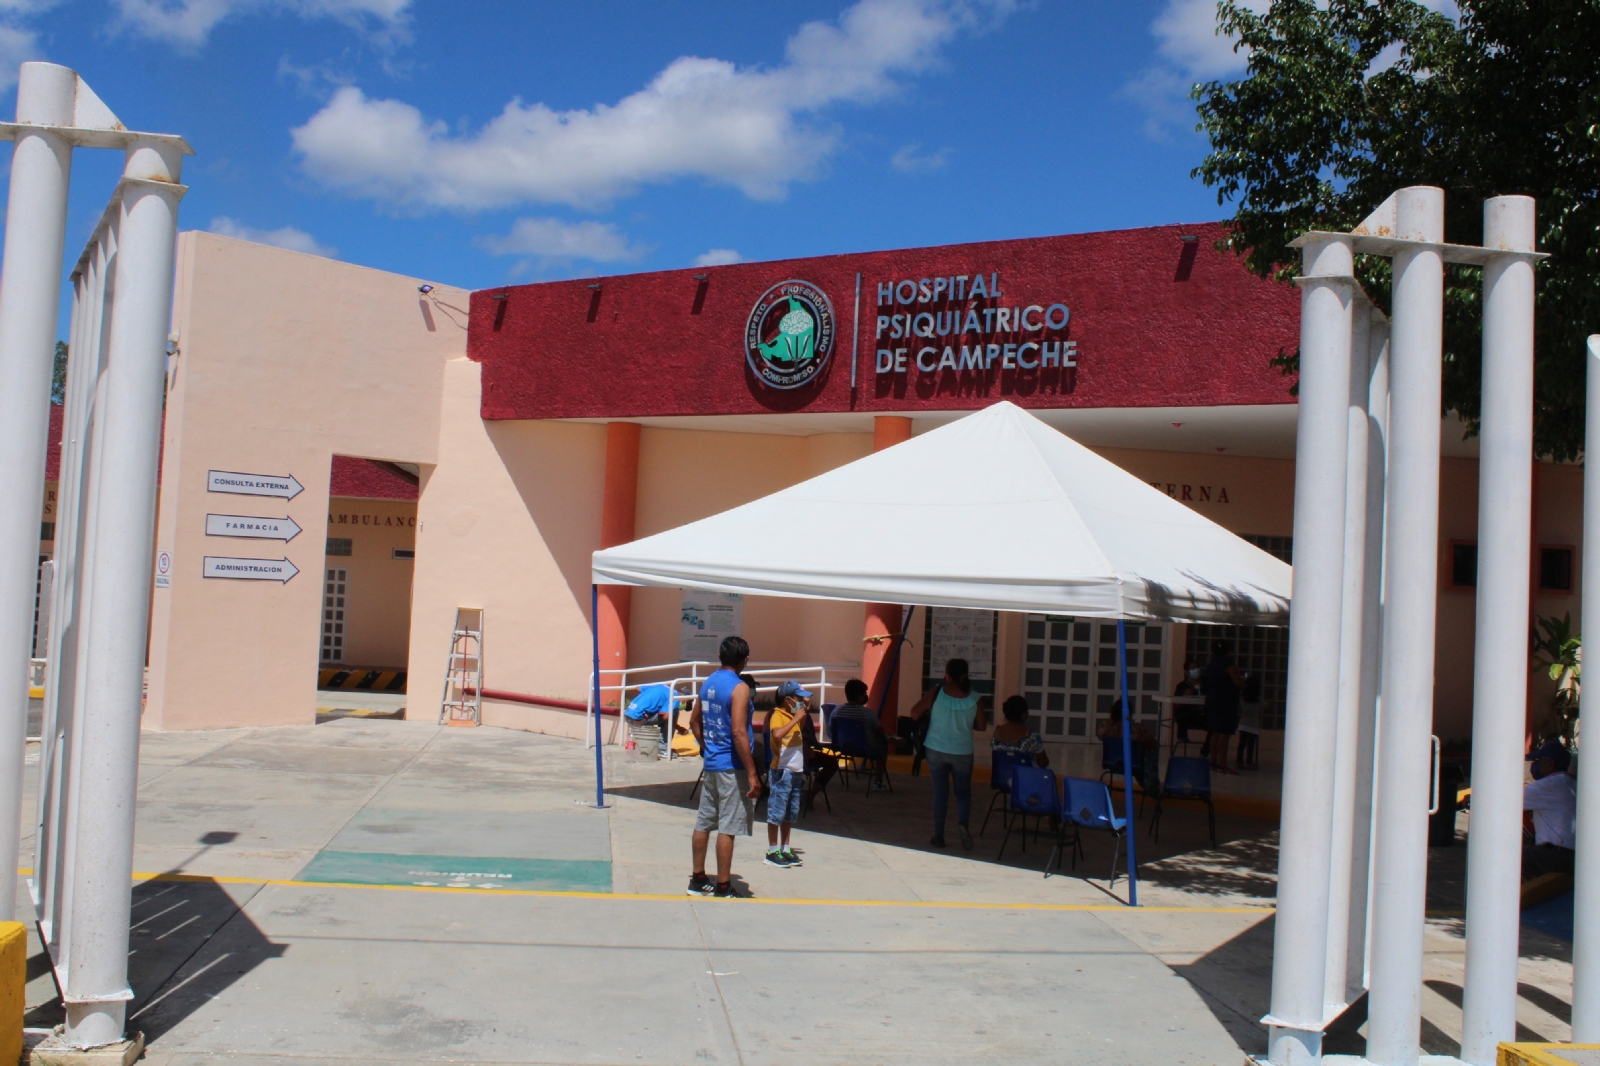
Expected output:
(373, 868)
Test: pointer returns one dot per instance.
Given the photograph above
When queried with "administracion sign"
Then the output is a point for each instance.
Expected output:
(708, 617)
(281, 485)
(238, 525)
(279, 570)
(789, 335)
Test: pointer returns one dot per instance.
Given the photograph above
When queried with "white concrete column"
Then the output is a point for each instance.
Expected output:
(1352, 616)
(1500, 655)
(1376, 428)
(97, 982)
(30, 292)
(1586, 875)
(1300, 945)
(1411, 572)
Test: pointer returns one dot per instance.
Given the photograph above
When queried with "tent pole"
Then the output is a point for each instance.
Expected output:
(894, 658)
(599, 755)
(1127, 765)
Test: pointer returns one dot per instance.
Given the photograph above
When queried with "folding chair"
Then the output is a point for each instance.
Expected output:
(1086, 804)
(1187, 778)
(850, 740)
(1001, 763)
(1033, 794)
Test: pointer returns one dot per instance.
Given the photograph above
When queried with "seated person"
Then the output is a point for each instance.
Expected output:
(1013, 737)
(1187, 716)
(1550, 812)
(1146, 748)
(653, 703)
(855, 709)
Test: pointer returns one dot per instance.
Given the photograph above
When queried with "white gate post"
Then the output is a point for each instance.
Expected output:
(97, 980)
(1352, 616)
(1500, 663)
(1300, 940)
(30, 292)
(1400, 853)
(1376, 429)
(1586, 875)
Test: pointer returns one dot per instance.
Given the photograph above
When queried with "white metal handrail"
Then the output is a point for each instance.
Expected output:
(685, 687)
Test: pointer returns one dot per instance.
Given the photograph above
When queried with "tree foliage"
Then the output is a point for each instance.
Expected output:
(58, 375)
(1345, 101)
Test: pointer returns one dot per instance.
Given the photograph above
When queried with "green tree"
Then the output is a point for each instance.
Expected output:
(1345, 101)
(58, 376)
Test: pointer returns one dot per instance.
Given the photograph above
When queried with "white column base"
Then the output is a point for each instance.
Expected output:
(1293, 1047)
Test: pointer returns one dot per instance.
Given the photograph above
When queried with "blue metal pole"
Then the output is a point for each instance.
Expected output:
(599, 757)
(1127, 763)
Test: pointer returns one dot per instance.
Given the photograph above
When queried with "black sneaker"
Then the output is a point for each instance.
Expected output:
(775, 857)
(725, 890)
(937, 842)
(701, 885)
(966, 837)
(791, 858)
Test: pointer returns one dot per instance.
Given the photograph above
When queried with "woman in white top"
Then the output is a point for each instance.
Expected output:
(957, 713)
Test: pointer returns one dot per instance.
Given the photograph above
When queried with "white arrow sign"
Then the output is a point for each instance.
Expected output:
(280, 570)
(238, 525)
(253, 484)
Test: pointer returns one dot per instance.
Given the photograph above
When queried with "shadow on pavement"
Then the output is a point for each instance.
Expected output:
(189, 939)
(1244, 864)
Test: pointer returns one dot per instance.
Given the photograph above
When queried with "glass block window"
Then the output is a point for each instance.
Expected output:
(333, 597)
(340, 546)
(1263, 650)
(1069, 673)
(1282, 547)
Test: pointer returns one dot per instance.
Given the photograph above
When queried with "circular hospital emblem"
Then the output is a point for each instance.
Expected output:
(790, 335)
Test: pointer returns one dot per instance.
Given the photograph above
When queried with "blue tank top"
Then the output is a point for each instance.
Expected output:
(716, 721)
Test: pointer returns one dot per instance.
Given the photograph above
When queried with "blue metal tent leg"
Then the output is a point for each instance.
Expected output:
(599, 756)
(1127, 762)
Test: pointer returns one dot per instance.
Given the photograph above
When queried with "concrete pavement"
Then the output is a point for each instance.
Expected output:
(397, 892)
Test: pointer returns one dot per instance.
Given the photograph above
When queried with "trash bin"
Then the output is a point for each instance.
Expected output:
(1442, 823)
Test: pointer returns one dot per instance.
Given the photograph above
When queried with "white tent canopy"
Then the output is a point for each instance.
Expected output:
(996, 510)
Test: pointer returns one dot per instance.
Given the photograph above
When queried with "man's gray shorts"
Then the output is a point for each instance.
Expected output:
(724, 807)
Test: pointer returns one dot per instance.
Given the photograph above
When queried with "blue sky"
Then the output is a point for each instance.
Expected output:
(476, 143)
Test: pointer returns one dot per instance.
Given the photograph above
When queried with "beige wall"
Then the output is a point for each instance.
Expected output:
(283, 360)
(377, 586)
(509, 514)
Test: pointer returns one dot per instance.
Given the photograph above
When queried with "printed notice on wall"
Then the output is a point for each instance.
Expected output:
(707, 618)
(959, 633)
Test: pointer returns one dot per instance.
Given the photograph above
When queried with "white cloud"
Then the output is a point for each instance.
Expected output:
(749, 127)
(17, 46)
(911, 160)
(718, 257)
(1186, 35)
(296, 240)
(1191, 50)
(188, 23)
(549, 239)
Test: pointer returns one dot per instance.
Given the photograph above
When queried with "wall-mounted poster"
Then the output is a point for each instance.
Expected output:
(707, 618)
(959, 633)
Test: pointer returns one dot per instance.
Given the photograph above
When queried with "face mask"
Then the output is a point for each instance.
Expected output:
(1194, 673)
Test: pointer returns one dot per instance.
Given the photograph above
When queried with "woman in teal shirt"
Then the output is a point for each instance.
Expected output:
(957, 712)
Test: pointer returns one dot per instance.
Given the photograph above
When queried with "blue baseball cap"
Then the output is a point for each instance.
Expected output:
(792, 688)
(1553, 750)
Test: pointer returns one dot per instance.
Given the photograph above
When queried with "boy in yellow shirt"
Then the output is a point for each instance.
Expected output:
(787, 774)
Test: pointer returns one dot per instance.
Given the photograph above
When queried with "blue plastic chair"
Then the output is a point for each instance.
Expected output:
(1187, 778)
(1001, 763)
(1033, 794)
(1086, 804)
(850, 739)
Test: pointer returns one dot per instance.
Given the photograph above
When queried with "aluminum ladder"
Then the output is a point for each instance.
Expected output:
(462, 702)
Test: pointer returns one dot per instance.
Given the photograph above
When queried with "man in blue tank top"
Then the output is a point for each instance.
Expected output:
(721, 723)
